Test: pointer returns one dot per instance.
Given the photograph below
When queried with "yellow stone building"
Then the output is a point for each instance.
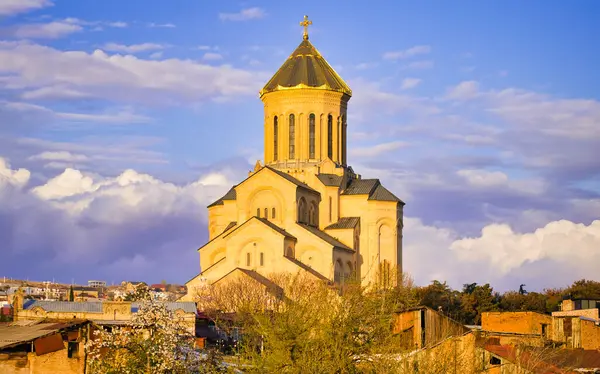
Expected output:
(305, 209)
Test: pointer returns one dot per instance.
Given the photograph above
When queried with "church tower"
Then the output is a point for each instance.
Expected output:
(305, 209)
(305, 110)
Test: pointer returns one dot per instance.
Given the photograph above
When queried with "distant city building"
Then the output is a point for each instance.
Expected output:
(96, 283)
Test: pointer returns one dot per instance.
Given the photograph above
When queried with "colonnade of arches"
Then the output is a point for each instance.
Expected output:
(312, 138)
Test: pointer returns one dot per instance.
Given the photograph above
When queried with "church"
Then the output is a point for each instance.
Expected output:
(304, 209)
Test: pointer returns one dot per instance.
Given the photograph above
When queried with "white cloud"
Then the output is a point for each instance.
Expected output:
(163, 25)
(16, 178)
(497, 179)
(407, 53)
(211, 56)
(118, 24)
(366, 65)
(59, 156)
(133, 48)
(574, 246)
(31, 67)
(377, 149)
(12, 7)
(463, 91)
(243, 15)
(408, 83)
(52, 30)
(114, 116)
(156, 55)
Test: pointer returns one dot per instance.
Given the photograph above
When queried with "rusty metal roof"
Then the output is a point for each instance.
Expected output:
(344, 223)
(306, 68)
(15, 333)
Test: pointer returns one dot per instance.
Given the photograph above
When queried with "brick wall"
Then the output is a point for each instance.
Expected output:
(516, 322)
(590, 335)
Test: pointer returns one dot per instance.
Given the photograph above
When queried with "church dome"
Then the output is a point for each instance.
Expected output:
(306, 68)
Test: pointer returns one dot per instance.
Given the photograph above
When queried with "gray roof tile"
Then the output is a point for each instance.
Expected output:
(326, 237)
(230, 195)
(383, 194)
(330, 179)
(344, 223)
(361, 186)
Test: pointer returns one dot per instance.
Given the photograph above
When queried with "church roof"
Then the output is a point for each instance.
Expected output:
(306, 68)
(230, 195)
(383, 194)
(344, 223)
(371, 187)
(326, 237)
(330, 179)
(290, 178)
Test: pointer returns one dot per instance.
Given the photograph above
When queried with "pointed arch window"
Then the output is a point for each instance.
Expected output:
(275, 136)
(292, 136)
(311, 136)
(267, 213)
(330, 136)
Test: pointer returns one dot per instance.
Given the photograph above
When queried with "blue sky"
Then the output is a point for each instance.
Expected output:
(120, 121)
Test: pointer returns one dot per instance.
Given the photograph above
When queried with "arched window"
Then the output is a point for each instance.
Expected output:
(302, 211)
(330, 136)
(262, 259)
(275, 138)
(266, 213)
(248, 263)
(273, 213)
(311, 213)
(289, 252)
(258, 212)
(311, 136)
(292, 136)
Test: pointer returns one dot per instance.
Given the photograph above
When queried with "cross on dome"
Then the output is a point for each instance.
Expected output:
(305, 24)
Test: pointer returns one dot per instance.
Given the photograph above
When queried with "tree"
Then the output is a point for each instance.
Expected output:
(71, 294)
(476, 300)
(141, 293)
(155, 341)
(584, 289)
(298, 324)
(439, 295)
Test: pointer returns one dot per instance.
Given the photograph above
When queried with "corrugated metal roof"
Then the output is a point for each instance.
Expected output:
(64, 306)
(344, 223)
(326, 237)
(186, 306)
(361, 187)
(14, 334)
(330, 179)
(230, 195)
(383, 194)
(306, 68)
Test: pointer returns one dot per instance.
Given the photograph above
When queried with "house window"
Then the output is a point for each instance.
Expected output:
(273, 213)
(258, 212)
(275, 136)
(266, 213)
(495, 360)
(330, 136)
(248, 262)
(311, 136)
(262, 259)
(292, 136)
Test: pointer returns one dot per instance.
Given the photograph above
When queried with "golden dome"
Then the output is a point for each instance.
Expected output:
(306, 68)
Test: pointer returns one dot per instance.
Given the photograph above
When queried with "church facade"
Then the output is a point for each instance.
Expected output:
(304, 209)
